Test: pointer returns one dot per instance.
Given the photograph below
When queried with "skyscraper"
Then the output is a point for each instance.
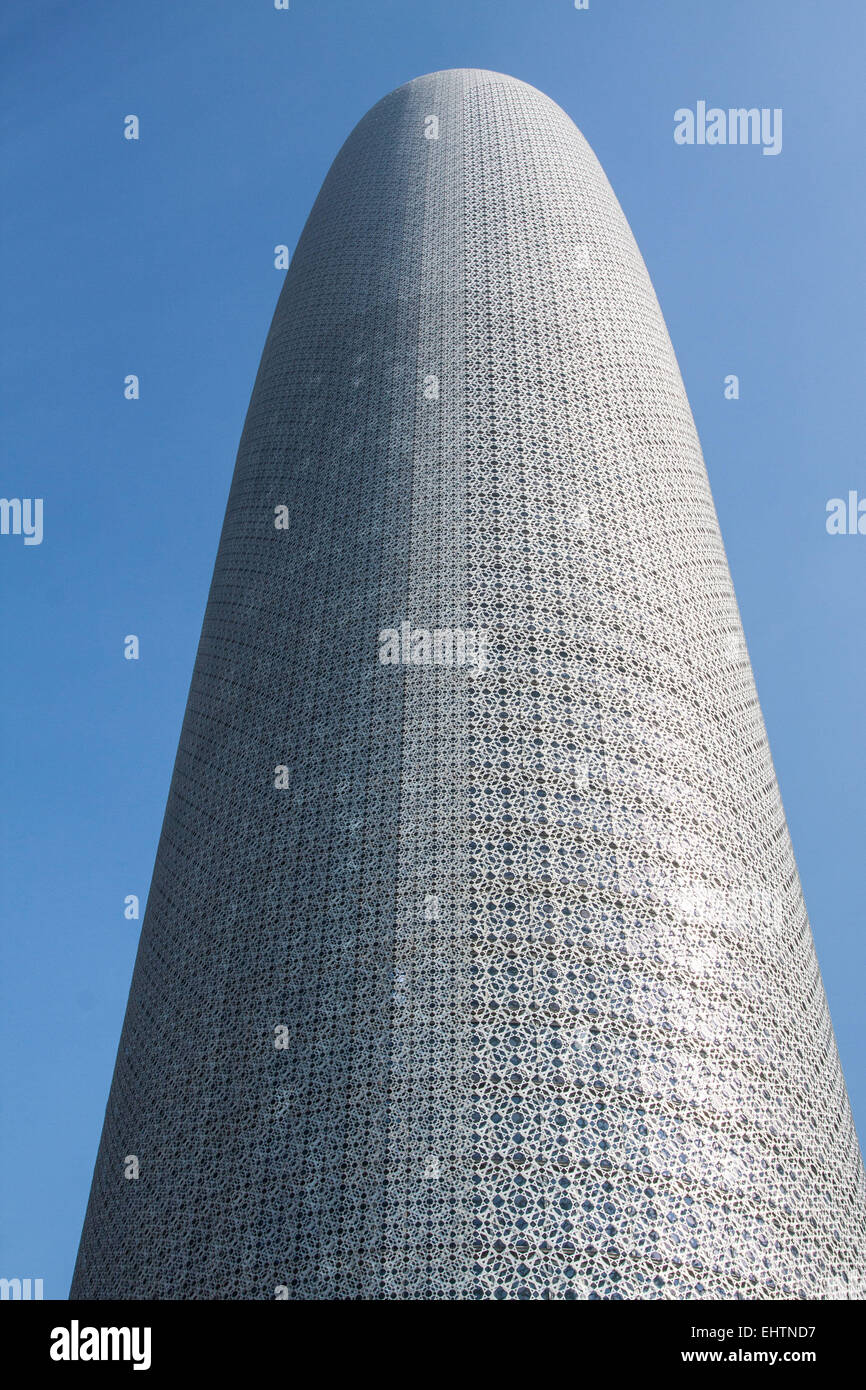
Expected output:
(475, 963)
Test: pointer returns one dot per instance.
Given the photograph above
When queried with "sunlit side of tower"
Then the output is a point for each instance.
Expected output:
(489, 977)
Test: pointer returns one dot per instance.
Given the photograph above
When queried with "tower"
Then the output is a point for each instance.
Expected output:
(475, 962)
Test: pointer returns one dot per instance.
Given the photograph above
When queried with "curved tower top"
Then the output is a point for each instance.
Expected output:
(475, 962)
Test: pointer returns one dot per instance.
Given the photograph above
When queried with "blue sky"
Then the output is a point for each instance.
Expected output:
(156, 258)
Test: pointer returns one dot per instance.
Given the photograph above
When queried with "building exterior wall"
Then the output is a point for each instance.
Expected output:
(553, 1024)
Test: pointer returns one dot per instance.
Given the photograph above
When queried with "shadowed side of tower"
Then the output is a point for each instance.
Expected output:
(482, 971)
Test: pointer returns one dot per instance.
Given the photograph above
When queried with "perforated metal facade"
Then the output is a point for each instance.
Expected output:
(505, 988)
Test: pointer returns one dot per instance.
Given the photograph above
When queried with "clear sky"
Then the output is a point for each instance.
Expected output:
(156, 258)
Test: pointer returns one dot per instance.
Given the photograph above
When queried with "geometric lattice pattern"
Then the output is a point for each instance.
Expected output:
(473, 981)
